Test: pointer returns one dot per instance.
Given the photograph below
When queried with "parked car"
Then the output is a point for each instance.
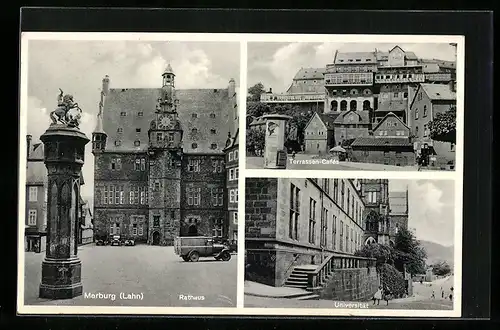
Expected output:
(191, 248)
(102, 242)
(115, 240)
(129, 242)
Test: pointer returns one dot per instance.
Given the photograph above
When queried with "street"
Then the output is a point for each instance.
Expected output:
(153, 271)
(313, 162)
(422, 299)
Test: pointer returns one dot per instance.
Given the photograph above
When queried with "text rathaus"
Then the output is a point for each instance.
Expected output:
(161, 162)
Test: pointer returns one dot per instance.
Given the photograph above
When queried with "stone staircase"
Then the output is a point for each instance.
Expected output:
(299, 279)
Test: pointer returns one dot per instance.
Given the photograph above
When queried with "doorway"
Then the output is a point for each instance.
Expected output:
(192, 230)
(156, 238)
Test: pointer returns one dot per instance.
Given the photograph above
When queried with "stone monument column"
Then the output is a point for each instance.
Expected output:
(64, 146)
(275, 155)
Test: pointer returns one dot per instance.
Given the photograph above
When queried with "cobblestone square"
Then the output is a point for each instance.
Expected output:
(153, 271)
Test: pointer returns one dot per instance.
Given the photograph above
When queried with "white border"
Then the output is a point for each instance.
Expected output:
(456, 175)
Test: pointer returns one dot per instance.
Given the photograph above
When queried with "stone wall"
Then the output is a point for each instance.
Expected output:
(404, 158)
(260, 207)
(354, 284)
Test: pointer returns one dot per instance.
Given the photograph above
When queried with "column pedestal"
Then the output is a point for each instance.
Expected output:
(275, 154)
(64, 149)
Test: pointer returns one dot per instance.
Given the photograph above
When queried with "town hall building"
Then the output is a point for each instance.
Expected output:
(160, 161)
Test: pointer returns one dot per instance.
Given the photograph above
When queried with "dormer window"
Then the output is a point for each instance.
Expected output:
(123, 113)
(140, 114)
(118, 143)
(137, 130)
(194, 115)
(213, 146)
(213, 131)
(194, 145)
(212, 115)
(119, 130)
(194, 131)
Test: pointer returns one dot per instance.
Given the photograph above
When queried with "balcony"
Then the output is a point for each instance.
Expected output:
(439, 77)
(292, 98)
(349, 79)
(399, 78)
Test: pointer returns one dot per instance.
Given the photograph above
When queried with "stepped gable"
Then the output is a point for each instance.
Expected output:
(211, 107)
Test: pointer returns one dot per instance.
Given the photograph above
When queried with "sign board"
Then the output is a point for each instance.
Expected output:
(281, 158)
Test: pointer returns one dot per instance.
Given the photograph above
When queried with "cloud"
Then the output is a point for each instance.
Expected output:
(431, 212)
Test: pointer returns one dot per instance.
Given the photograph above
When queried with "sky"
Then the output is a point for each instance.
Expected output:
(77, 67)
(431, 208)
(275, 64)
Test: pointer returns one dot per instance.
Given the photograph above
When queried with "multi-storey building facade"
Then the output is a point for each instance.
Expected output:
(159, 161)
(36, 198)
(349, 82)
(232, 177)
(429, 100)
(386, 212)
(375, 194)
(292, 221)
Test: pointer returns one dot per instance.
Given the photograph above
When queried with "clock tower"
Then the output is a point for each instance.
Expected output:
(165, 165)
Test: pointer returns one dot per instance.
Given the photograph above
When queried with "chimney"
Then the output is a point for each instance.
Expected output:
(28, 142)
(231, 88)
(105, 85)
(452, 85)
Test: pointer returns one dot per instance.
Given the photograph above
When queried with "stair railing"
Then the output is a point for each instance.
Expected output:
(292, 263)
(317, 277)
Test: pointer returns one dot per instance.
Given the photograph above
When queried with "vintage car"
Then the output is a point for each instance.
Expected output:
(102, 242)
(129, 242)
(115, 240)
(191, 248)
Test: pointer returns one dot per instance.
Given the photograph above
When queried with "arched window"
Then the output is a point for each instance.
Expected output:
(370, 240)
(353, 105)
(334, 105)
(343, 105)
(366, 105)
(354, 91)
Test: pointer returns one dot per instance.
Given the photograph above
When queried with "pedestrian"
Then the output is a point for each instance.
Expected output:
(387, 295)
(433, 296)
(442, 293)
(377, 296)
(451, 294)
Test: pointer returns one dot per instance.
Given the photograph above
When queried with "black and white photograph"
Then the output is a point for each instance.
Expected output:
(131, 185)
(375, 106)
(357, 244)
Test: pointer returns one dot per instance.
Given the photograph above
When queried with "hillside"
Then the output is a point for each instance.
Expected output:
(437, 252)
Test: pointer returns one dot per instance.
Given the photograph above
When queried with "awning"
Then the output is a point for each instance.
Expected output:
(337, 149)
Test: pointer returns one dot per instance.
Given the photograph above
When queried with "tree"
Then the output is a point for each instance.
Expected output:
(255, 91)
(443, 126)
(257, 109)
(441, 268)
(409, 252)
(383, 253)
(255, 141)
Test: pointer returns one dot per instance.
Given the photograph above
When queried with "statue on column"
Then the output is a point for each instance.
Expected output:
(67, 112)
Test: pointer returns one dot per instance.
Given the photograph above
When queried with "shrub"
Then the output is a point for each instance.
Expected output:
(391, 278)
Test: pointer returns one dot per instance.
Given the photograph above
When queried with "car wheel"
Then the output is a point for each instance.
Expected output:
(194, 256)
(185, 258)
(226, 256)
